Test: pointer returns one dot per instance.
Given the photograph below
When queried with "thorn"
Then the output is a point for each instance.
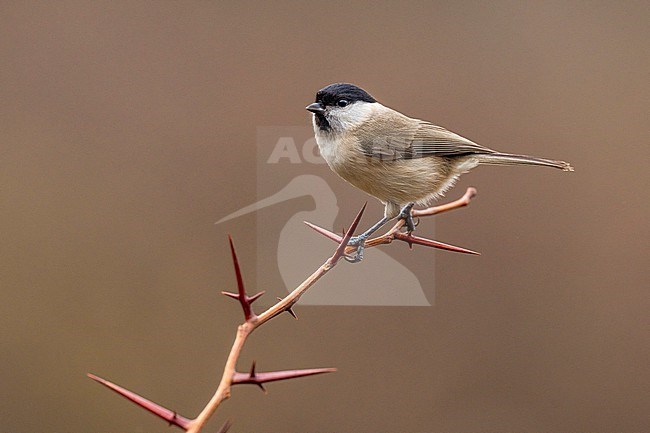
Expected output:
(411, 239)
(250, 299)
(170, 416)
(328, 234)
(259, 379)
(289, 310)
(344, 242)
(255, 297)
(349, 232)
(293, 313)
(241, 296)
(225, 427)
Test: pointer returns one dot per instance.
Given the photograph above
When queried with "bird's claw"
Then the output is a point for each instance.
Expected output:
(357, 255)
(356, 240)
(411, 224)
(406, 215)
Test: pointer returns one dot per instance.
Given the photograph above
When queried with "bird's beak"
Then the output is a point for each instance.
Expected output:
(316, 108)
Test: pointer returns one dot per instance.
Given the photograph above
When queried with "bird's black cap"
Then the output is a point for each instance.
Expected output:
(329, 95)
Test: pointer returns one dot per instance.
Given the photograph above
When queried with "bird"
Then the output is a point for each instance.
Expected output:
(402, 161)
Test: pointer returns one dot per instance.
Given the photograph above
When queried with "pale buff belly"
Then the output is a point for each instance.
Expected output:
(400, 182)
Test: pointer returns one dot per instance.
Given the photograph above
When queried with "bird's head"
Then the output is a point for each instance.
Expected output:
(340, 106)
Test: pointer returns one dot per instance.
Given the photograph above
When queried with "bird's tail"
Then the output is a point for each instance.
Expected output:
(509, 159)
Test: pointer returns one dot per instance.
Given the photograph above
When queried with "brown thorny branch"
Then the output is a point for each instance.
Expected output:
(252, 321)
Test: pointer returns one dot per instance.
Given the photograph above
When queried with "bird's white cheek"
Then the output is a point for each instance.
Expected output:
(355, 114)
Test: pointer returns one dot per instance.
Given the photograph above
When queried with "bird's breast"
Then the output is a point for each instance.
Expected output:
(397, 181)
(329, 149)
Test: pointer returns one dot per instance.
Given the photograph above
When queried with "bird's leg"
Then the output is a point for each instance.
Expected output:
(356, 240)
(405, 214)
(360, 241)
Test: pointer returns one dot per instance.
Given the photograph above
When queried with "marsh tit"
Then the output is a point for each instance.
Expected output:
(399, 160)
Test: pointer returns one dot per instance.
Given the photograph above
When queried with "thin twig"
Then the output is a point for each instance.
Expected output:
(244, 330)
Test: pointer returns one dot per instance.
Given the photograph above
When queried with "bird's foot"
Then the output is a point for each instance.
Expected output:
(357, 255)
(406, 215)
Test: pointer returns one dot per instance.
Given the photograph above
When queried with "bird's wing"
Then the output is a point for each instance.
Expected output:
(430, 139)
(408, 140)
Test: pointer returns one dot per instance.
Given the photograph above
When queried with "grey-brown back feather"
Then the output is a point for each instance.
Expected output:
(399, 137)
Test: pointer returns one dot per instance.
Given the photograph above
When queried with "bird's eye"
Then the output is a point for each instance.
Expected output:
(342, 102)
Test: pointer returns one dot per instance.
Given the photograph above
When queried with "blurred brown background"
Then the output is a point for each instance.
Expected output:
(128, 128)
